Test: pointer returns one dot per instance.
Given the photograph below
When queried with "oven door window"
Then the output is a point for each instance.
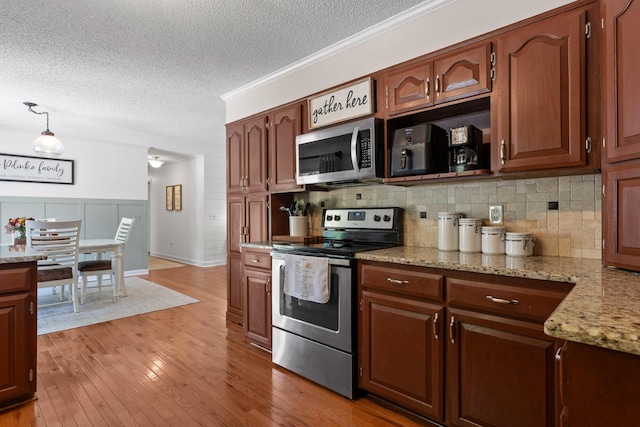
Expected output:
(323, 315)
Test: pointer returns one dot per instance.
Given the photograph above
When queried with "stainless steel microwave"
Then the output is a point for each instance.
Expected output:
(341, 155)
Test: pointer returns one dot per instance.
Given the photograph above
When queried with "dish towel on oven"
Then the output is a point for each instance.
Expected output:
(307, 278)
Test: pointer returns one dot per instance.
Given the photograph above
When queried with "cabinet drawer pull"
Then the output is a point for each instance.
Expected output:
(503, 301)
(437, 86)
(559, 354)
(255, 260)
(426, 89)
(435, 326)
(451, 330)
(397, 282)
(503, 154)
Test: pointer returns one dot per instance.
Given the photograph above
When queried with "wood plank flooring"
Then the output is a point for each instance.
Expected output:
(179, 367)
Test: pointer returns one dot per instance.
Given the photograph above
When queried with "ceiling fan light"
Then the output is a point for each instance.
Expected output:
(155, 162)
(48, 144)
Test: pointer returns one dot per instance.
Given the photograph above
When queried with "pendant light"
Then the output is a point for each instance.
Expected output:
(46, 143)
(155, 162)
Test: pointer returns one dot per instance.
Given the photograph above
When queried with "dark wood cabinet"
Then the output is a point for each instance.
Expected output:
(409, 88)
(621, 214)
(257, 296)
(285, 124)
(500, 371)
(539, 115)
(401, 337)
(17, 333)
(622, 75)
(501, 368)
(246, 222)
(481, 352)
(621, 164)
(599, 386)
(247, 156)
(463, 73)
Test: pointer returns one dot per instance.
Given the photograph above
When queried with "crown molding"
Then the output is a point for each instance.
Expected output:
(416, 11)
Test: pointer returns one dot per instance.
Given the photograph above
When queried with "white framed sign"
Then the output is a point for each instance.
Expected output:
(338, 105)
(35, 169)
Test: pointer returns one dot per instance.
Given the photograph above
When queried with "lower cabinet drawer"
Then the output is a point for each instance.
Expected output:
(505, 299)
(407, 280)
(16, 279)
(256, 259)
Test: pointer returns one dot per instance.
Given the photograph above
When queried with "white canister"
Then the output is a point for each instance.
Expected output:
(520, 244)
(448, 231)
(493, 240)
(470, 236)
(298, 225)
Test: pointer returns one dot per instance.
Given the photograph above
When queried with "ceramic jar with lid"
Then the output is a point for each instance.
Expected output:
(470, 237)
(519, 244)
(493, 240)
(448, 231)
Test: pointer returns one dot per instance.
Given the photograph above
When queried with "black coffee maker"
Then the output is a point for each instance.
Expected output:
(466, 150)
(419, 150)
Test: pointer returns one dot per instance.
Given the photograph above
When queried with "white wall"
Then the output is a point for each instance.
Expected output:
(178, 235)
(457, 21)
(101, 170)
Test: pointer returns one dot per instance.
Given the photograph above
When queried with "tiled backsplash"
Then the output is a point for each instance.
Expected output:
(574, 230)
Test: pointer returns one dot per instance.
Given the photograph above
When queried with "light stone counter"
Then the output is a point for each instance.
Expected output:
(602, 309)
(12, 254)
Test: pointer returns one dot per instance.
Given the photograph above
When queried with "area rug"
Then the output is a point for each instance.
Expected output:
(143, 297)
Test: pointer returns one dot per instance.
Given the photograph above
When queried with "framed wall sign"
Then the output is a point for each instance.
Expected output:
(35, 169)
(338, 105)
(177, 197)
(169, 197)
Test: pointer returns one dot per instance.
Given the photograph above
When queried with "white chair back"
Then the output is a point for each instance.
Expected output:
(59, 241)
(124, 229)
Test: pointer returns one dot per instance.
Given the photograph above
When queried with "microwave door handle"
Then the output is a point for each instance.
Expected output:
(354, 153)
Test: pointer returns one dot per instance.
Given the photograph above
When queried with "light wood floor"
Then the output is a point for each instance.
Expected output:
(179, 367)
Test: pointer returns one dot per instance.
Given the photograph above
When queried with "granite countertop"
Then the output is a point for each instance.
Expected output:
(12, 254)
(602, 309)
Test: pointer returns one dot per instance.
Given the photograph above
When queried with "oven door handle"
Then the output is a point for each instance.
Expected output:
(354, 151)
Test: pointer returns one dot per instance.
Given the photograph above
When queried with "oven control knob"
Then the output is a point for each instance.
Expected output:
(329, 217)
(376, 218)
(337, 217)
(387, 218)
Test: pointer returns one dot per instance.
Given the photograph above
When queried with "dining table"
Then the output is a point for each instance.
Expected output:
(103, 246)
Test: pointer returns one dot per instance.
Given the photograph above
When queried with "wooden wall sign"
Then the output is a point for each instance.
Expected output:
(35, 169)
(339, 105)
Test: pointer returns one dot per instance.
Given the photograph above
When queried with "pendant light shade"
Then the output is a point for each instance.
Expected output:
(155, 162)
(46, 143)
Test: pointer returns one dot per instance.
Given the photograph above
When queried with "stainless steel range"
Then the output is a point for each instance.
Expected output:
(314, 295)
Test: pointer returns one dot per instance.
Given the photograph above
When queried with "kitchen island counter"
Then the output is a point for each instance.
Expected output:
(11, 254)
(602, 309)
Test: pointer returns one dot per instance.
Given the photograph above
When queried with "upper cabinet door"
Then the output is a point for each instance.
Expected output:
(540, 78)
(409, 88)
(255, 153)
(622, 73)
(467, 72)
(235, 168)
(285, 125)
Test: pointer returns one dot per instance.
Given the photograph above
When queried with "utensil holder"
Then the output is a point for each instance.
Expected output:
(298, 225)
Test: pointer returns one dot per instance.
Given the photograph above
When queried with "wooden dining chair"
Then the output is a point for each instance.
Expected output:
(58, 240)
(100, 267)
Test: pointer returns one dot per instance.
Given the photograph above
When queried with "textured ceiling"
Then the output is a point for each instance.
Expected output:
(151, 72)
